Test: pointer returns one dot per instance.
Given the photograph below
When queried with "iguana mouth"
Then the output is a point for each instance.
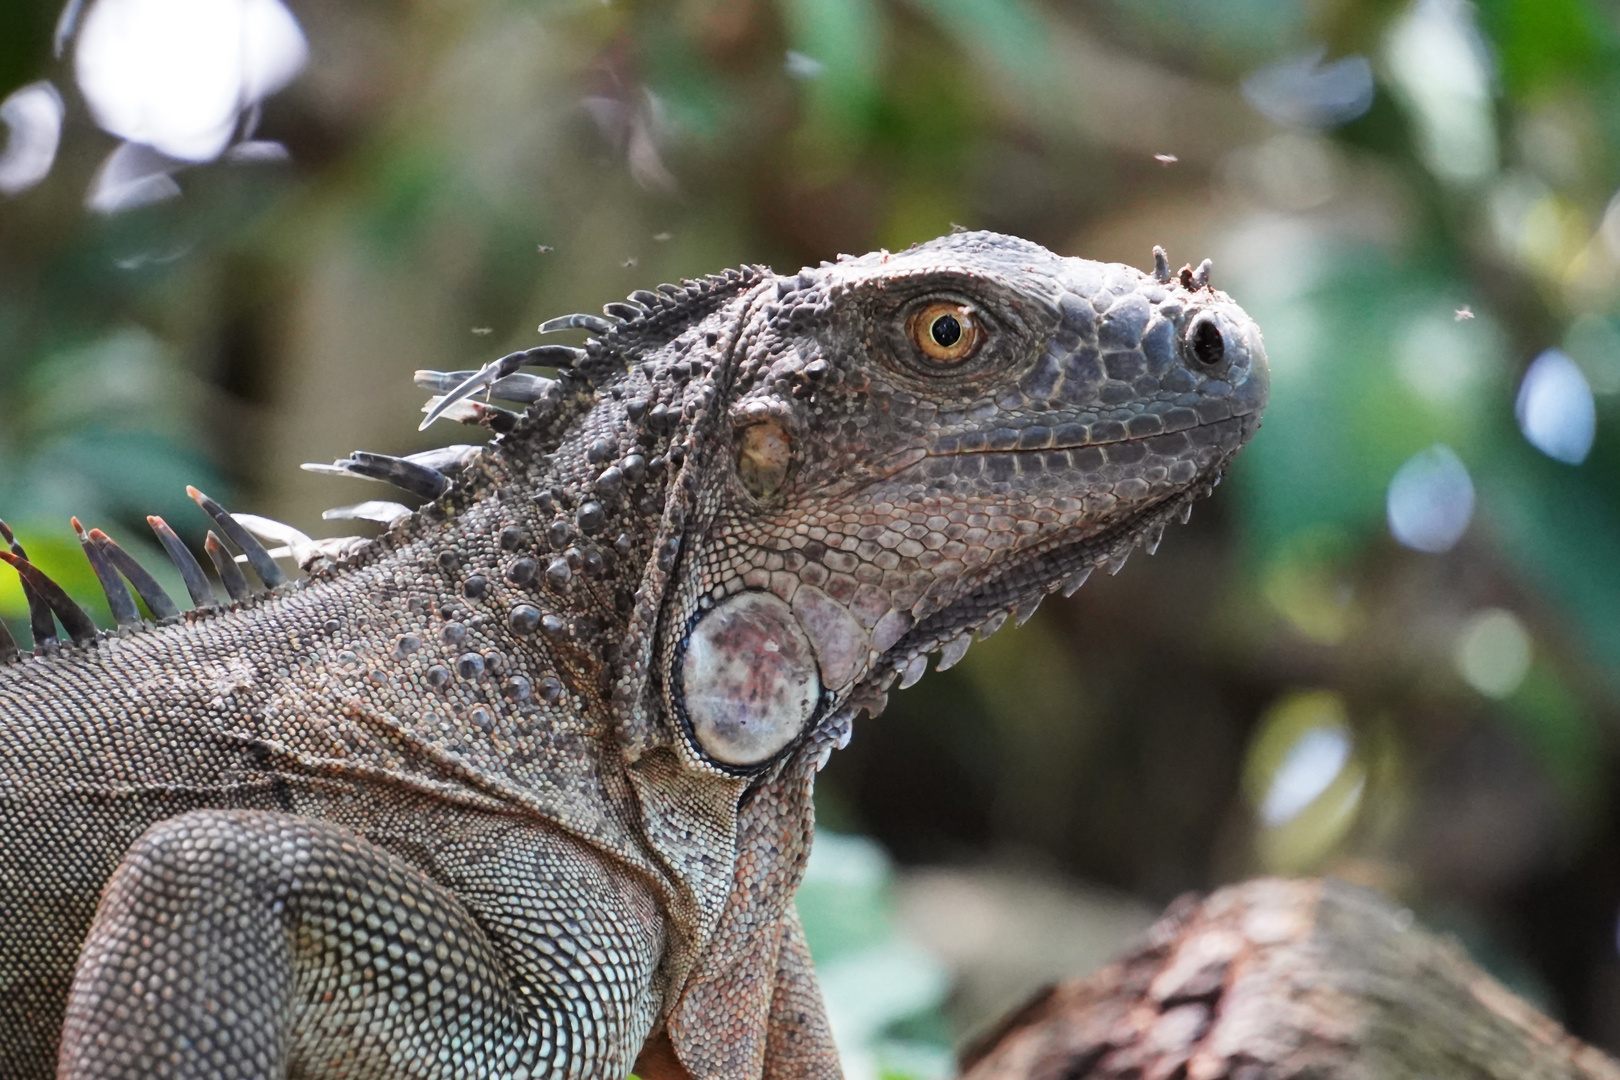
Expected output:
(1088, 445)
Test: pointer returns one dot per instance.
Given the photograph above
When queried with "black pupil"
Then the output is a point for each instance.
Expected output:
(946, 331)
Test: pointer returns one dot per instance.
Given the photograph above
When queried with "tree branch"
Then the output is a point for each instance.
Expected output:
(1273, 979)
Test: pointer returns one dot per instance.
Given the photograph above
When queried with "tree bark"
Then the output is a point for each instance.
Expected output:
(1273, 979)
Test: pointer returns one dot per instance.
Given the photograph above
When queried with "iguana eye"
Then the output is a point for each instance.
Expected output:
(946, 332)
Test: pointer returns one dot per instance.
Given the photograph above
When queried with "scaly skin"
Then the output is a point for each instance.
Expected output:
(523, 787)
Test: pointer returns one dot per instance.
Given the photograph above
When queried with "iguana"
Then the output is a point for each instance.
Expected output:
(521, 787)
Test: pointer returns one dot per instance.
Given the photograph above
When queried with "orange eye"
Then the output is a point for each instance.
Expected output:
(945, 332)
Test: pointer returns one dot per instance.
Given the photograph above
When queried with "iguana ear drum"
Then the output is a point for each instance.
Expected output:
(764, 453)
(748, 679)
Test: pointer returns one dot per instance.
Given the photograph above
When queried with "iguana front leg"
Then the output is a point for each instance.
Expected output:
(252, 944)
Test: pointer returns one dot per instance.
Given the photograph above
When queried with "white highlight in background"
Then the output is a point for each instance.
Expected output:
(1493, 652)
(176, 74)
(1441, 70)
(133, 175)
(1443, 360)
(1309, 91)
(1555, 408)
(1308, 769)
(33, 114)
(1430, 500)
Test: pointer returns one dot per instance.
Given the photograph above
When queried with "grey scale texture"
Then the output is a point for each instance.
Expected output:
(440, 810)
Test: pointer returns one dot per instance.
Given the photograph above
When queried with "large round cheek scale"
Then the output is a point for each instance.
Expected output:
(749, 680)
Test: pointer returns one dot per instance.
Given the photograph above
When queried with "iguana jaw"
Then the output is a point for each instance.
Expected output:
(1061, 565)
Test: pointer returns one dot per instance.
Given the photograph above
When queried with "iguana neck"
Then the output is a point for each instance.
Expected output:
(532, 546)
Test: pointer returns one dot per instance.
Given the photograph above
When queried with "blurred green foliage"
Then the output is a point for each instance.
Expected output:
(883, 992)
(457, 172)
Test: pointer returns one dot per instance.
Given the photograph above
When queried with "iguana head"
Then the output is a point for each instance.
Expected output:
(891, 454)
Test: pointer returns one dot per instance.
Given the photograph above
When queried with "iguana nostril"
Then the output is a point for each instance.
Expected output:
(1206, 341)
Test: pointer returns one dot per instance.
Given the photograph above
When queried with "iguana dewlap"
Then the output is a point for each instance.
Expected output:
(522, 787)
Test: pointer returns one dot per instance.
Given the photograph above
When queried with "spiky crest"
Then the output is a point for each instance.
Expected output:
(446, 478)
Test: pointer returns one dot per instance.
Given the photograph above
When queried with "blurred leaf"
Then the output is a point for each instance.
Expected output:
(1364, 376)
(699, 102)
(847, 39)
(127, 379)
(132, 474)
(25, 34)
(1564, 539)
(1244, 27)
(1305, 582)
(1013, 36)
(61, 558)
(1304, 779)
(920, 211)
(1565, 739)
(1042, 723)
(871, 978)
(1543, 41)
(844, 902)
(410, 182)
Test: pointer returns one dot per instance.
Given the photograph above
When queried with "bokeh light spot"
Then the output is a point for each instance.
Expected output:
(133, 175)
(799, 65)
(1440, 67)
(1292, 170)
(1305, 771)
(33, 115)
(1305, 585)
(1555, 408)
(1304, 779)
(1593, 342)
(1493, 652)
(1302, 91)
(1431, 500)
(176, 74)
(1439, 356)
